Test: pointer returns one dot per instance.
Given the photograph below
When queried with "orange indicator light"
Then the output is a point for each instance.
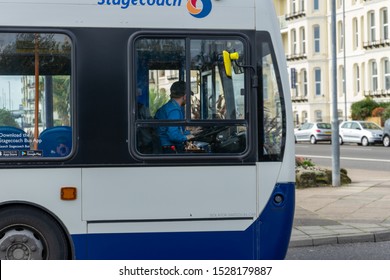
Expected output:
(68, 193)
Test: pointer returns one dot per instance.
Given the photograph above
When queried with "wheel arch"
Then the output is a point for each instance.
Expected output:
(18, 203)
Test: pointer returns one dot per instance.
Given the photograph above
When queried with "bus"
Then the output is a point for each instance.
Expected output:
(83, 175)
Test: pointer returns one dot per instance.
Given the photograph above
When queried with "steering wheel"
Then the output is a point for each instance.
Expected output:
(209, 134)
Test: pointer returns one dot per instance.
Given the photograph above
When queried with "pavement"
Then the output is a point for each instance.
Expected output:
(358, 212)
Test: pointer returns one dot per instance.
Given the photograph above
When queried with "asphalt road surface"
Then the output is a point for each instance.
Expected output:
(352, 251)
(352, 156)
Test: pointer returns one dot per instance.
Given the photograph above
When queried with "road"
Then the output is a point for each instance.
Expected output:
(352, 251)
(352, 156)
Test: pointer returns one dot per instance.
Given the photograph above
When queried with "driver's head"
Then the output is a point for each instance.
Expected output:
(178, 89)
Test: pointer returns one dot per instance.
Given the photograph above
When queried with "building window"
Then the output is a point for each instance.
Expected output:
(371, 21)
(302, 5)
(265, 86)
(293, 78)
(386, 71)
(317, 76)
(317, 39)
(294, 6)
(340, 114)
(294, 41)
(304, 117)
(357, 79)
(341, 36)
(296, 119)
(356, 33)
(374, 76)
(339, 4)
(316, 5)
(341, 81)
(385, 24)
(318, 115)
(303, 40)
(304, 84)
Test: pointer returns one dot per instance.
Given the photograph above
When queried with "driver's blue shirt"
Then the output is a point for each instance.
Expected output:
(171, 135)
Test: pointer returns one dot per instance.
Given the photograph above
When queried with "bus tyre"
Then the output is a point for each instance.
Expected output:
(27, 233)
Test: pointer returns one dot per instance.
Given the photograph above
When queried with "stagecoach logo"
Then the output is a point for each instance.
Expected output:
(196, 8)
(199, 11)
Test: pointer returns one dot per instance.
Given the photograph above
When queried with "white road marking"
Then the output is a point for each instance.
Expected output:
(347, 158)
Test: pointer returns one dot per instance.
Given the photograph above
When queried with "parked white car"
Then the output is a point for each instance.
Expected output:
(313, 132)
(360, 132)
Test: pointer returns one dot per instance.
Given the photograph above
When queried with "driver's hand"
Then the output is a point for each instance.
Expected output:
(190, 136)
(196, 130)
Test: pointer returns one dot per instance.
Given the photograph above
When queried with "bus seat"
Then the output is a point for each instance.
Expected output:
(56, 141)
(148, 141)
(12, 138)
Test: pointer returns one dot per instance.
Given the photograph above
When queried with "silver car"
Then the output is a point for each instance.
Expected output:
(360, 132)
(314, 132)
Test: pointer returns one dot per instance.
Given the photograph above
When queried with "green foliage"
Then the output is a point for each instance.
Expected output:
(6, 118)
(368, 107)
(386, 112)
(61, 99)
(156, 100)
(362, 109)
(304, 162)
(55, 54)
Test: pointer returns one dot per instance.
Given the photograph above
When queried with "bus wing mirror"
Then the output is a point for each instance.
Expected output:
(227, 61)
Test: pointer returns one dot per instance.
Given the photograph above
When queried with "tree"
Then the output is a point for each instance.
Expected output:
(6, 118)
(61, 99)
(377, 112)
(386, 112)
(156, 100)
(363, 109)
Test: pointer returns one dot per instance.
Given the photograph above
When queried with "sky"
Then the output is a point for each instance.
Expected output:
(14, 84)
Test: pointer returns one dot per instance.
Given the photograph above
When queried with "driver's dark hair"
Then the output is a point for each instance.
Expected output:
(178, 89)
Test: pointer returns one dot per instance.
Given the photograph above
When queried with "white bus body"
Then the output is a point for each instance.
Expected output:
(228, 204)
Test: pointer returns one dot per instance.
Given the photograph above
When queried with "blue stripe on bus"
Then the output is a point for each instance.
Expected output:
(276, 222)
(271, 233)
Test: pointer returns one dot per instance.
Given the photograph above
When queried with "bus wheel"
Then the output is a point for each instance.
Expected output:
(30, 234)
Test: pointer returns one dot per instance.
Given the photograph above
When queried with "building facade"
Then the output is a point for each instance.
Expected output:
(363, 53)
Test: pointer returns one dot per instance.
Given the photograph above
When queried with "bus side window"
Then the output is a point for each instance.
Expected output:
(273, 126)
(214, 111)
(39, 98)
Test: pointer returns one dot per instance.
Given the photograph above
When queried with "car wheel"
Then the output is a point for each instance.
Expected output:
(341, 142)
(365, 141)
(313, 139)
(386, 141)
(30, 234)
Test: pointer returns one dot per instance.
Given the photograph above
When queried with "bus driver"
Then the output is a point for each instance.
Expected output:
(173, 138)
